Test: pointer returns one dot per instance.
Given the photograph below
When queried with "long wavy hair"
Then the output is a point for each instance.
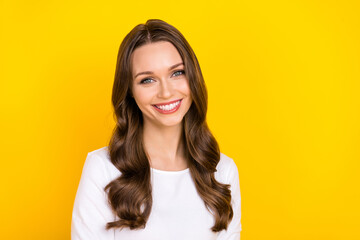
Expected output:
(130, 195)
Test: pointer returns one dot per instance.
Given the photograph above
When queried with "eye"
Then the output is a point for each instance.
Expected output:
(146, 80)
(178, 73)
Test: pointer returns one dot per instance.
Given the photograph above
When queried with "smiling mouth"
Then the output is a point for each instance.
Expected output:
(169, 107)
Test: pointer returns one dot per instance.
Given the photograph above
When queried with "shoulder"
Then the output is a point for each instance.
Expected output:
(98, 165)
(226, 169)
(101, 153)
(225, 163)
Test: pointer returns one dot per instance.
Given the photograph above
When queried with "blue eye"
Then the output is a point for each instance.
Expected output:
(146, 80)
(178, 73)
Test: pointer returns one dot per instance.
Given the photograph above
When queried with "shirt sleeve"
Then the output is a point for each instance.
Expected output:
(234, 227)
(91, 210)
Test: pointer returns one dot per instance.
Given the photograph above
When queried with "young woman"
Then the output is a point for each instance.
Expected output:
(162, 175)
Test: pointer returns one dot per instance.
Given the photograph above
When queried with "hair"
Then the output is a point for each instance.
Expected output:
(130, 195)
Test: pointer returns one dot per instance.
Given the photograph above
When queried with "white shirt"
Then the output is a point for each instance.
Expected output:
(177, 213)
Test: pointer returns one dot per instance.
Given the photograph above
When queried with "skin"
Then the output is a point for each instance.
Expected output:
(162, 132)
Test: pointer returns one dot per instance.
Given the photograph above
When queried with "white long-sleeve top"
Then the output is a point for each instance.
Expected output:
(178, 212)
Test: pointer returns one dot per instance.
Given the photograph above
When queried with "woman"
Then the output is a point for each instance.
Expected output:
(162, 175)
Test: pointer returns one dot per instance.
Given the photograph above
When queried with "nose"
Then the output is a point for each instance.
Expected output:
(165, 89)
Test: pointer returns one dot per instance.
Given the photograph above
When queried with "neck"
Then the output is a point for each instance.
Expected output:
(164, 146)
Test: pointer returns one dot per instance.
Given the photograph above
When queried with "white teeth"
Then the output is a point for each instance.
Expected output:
(169, 106)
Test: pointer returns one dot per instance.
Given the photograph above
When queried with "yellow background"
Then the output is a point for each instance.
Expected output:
(283, 81)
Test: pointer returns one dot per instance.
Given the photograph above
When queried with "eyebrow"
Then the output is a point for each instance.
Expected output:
(149, 72)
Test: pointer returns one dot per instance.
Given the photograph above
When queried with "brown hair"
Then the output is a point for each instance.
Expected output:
(130, 195)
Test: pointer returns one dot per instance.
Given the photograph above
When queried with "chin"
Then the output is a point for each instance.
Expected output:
(170, 123)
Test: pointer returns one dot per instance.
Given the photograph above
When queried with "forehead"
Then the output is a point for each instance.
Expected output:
(154, 57)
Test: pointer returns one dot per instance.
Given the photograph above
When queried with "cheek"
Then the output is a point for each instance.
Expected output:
(142, 97)
(184, 87)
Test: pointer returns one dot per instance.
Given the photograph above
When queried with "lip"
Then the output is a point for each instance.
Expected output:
(170, 111)
(167, 103)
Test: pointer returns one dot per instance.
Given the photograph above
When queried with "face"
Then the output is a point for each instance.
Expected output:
(160, 86)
